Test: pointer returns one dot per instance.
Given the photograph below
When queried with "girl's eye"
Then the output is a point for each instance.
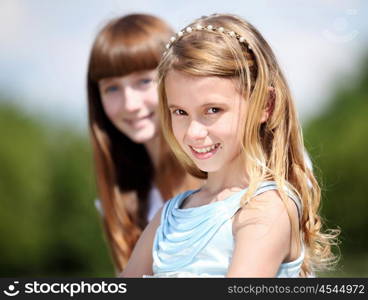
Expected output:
(213, 110)
(179, 112)
(111, 89)
(144, 82)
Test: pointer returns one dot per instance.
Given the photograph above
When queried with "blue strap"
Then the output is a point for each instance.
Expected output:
(271, 185)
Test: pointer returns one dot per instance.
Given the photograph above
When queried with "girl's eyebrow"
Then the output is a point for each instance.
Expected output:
(173, 106)
(203, 105)
(214, 104)
(106, 81)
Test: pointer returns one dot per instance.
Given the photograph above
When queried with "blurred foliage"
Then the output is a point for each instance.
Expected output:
(337, 141)
(48, 222)
(50, 227)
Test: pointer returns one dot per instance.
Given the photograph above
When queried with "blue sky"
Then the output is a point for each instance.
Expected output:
(44, 45)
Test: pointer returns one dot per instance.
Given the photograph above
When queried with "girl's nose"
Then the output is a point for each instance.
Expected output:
(196, 131)
(132, 100)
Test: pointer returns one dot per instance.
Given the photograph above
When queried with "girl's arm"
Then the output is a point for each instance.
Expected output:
(262, 233)
(140, 262)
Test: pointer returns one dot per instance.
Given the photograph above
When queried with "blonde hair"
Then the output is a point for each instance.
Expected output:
(273, 150)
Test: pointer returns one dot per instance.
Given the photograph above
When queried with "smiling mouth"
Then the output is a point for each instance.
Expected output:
(137, 120)
(205, 149)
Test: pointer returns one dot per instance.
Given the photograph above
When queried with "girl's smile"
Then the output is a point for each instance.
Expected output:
(205, 152)
(139, 122)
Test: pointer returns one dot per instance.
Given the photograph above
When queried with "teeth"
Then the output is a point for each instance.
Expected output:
(204, 150)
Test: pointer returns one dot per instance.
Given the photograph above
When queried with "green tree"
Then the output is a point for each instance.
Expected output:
(48, 222)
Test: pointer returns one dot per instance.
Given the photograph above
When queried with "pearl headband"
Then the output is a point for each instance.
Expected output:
(198, 27)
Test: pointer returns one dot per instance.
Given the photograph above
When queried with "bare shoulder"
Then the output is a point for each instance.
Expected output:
(262, 235)
(267, 208)
(156, 220)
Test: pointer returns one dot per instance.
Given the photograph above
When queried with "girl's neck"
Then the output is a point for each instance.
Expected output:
(231, 177)
(153, 148)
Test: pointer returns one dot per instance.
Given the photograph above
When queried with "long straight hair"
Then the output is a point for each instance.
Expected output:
(124, 170)
(273, 150)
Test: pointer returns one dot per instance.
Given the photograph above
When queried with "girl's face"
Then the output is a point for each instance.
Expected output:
(130, 103)
(207, 116)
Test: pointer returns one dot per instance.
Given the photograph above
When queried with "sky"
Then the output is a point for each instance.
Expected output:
(44, 46)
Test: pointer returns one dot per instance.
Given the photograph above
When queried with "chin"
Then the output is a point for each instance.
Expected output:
(210, 168)
(143, 136)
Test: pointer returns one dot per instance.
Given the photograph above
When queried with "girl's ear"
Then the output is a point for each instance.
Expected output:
(267, 111)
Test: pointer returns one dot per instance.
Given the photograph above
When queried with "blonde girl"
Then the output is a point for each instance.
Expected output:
(229, 117)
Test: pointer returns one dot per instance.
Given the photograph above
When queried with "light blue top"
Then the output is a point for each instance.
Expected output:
(198, 241)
